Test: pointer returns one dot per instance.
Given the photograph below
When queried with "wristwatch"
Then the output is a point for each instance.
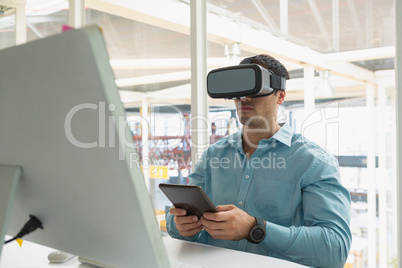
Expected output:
(257, 232)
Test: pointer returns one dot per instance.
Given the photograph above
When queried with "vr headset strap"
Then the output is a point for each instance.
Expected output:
(278, 82)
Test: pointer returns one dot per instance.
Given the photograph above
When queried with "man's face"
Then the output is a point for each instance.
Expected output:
(259, 112)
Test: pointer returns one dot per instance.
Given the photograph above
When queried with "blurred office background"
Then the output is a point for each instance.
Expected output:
(340, 55)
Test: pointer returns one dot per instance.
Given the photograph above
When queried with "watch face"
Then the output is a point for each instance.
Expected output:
(258, 234)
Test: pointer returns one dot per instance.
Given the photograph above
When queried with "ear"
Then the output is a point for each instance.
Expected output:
(281, 96)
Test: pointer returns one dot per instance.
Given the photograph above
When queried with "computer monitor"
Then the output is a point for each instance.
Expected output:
(62, 122)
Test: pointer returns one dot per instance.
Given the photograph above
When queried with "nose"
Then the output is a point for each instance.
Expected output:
(245, 99)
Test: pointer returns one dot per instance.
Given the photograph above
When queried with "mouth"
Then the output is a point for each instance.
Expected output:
(245, 108)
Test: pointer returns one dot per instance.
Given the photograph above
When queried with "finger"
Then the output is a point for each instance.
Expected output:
(217, 216)
(225, 207)
(213, 225)
(191, 232)
(185, 219)
(177, 211)
(189, 226)
(216, 234)
(189, 229)
(209, 216)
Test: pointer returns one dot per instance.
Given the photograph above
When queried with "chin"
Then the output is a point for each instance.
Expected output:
(249, 123)
(255, 124)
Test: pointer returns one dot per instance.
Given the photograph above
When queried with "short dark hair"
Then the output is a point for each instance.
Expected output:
(269, 63)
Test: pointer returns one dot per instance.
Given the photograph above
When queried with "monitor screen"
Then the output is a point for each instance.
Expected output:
(62, 122)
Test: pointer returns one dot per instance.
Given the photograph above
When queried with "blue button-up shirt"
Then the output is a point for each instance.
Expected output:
(292, 184)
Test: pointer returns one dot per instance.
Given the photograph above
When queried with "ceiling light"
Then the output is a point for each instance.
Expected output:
(324, 87)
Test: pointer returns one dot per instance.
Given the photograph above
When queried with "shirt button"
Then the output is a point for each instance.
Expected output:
(247, 176)
(240, 203)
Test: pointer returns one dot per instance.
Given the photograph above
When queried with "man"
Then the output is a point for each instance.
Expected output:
(277, 194)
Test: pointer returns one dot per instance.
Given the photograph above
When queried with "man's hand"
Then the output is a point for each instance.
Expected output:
(229, 223)
(186, 225)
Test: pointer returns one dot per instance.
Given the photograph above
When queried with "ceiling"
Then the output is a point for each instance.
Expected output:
(149, 43)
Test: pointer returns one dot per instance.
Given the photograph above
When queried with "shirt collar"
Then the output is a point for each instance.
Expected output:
(283, 135)
(236, 141)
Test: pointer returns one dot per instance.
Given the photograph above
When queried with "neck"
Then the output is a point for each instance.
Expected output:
(253, 136)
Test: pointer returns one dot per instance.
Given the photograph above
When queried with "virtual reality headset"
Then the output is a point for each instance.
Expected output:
(235, 82)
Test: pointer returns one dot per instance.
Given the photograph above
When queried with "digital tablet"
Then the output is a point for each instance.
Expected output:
(189, 197)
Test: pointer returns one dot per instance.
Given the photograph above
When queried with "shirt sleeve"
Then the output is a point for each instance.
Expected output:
(196, 178)
(325, 239)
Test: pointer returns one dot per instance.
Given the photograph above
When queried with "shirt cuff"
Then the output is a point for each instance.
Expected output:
(276, 239)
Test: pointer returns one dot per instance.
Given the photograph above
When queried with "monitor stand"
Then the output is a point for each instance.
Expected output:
(9, 177)
(93, 263)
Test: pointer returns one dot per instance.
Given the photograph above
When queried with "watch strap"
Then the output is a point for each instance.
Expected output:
(257, 232)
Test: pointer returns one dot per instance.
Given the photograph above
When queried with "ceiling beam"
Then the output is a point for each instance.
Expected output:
(152, 79)
(131, 96)
(170, 15)
(166, 63)
(222, 30)
(264, 14)
(176, 63)
(178, 94)
(320, 21)
(45, 7)
(361, 55)
(342, 86)
(355, 22)
(13, 3)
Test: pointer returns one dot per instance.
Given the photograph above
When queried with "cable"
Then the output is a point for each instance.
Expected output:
(29, 227)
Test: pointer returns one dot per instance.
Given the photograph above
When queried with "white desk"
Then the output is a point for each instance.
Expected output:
(34, 256)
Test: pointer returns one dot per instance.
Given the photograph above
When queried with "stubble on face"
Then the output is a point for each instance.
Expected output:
(256, 113)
